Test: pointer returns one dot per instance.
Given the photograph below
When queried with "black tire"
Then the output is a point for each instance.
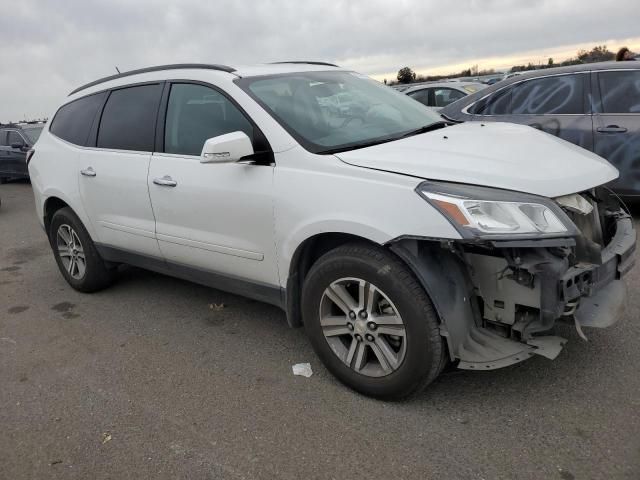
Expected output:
(425, 354)
(97, 274)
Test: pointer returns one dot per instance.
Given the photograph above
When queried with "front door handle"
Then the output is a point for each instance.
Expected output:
(612, 129)
(88, 172)
(165, 181)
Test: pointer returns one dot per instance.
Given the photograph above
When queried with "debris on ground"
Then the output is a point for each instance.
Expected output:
(302, 369)
(216, 306)
(106, 437)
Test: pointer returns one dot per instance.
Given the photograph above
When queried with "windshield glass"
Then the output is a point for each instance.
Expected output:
(32, 133)
(332, 111)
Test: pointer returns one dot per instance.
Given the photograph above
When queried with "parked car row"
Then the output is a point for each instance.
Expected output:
(368, 219)
(15, 141)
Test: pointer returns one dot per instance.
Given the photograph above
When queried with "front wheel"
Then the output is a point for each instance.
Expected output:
(371, 322)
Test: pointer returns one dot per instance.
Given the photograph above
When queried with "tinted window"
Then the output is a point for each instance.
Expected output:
(620, 91)
(74, 120)
(498, 103)
(32, 133)
(420, 95)
(445, 96)
(562, 94)
(129, 118)
(196, 113)
(15, 137)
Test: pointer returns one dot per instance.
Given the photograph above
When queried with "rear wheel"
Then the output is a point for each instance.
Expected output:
(75, 253)
(371, 322)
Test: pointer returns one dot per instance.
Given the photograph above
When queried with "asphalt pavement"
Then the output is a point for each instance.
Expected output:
(160, 378)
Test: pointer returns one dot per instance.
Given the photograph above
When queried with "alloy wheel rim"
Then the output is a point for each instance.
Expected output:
(363, 327)
(71, 252)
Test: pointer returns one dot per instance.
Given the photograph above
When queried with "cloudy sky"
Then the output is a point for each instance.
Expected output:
(49, 47)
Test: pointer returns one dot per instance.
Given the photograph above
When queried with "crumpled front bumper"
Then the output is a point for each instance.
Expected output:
(603, 293)
(498, 301)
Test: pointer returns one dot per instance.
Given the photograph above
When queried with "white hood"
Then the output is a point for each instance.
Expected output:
(500, 155)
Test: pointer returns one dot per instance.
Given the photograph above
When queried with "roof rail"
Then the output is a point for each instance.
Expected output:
(304, 62)
(158, 68)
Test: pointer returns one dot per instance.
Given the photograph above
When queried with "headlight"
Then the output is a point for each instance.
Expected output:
(487, 212)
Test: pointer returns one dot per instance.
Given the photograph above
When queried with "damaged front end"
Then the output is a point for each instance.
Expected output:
(499, 295)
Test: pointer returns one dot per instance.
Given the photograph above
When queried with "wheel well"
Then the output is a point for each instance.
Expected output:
(303, 259)
(51, 206)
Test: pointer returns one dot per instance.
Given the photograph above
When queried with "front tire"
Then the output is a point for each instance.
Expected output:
(371, 322)
(76, 254)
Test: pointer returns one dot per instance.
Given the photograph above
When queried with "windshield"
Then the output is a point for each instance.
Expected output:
(332, 111)
(32, 133)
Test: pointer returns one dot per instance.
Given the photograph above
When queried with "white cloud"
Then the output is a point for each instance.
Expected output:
(48, 48)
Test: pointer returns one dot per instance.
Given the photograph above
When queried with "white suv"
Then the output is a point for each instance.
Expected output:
(401, 244)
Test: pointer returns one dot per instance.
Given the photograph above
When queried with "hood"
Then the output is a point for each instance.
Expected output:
(499, 155)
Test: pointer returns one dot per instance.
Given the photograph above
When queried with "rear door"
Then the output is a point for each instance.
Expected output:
(617, 125)
(113, 173)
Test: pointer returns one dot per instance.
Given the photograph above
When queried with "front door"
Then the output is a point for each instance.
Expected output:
(211, 217)
(617, 126)
(113, 176)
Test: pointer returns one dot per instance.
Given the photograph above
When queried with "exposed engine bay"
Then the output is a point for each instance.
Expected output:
(499, 300)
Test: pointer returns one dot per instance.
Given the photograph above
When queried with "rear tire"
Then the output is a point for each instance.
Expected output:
(371, 322)
(76, 254)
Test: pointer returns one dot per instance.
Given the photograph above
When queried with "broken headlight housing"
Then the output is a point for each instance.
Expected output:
(488, 212)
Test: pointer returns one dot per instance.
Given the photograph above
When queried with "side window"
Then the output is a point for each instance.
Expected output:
(14, 137)
(3, 138)
(421, 95)
(196, 113)
(561, 94)
(445, 96)
(129, 118)
(73, 121)
(620, 91)
(498, 103)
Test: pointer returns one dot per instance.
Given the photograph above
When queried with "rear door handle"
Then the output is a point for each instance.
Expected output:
(165, 181)
(88, 172)
(611, 129)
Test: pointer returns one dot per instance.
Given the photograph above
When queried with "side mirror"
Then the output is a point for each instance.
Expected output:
(17, 145)
(227, 148)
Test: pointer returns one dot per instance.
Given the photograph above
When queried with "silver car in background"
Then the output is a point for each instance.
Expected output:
(440, 94)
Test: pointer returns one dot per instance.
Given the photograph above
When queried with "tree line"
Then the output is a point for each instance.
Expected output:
(599, 53)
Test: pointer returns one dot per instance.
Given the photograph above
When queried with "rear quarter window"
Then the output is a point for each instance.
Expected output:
(73, 121)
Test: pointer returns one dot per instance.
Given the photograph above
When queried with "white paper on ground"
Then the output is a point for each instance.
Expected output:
(303, 369)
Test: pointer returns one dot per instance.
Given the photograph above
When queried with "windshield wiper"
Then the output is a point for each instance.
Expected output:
(357, 146)
(426, 128)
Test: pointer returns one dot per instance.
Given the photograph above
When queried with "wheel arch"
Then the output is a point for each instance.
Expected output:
(51, 206)
(303, 258)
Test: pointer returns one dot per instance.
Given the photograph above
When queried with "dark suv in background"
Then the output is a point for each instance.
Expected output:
(15, 141)
(595, 106)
